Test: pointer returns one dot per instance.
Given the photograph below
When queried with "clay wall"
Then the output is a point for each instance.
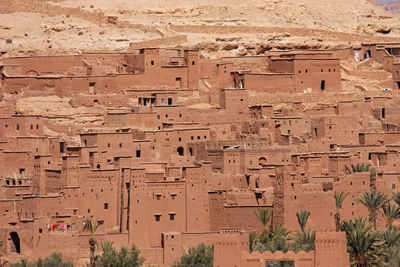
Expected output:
(278, 65)
(253, 63)
(309, 197)
(294, 126)
(70, 170)
(228, 248)
(36, 207)
(352, 108)
(167, 210)
(21, 126)
(331, 249)
(43, 65)
(172, 140)
(380, 138)
(139, 218)
(269, 82)
(224, 77)
(354, 184)
(16, 164)
(143, 151)
(234, 100)
(342, 130)
(236, 216)
(38, 145)
(100, 189)
(53, 181)
(172, 114)
(314, 74)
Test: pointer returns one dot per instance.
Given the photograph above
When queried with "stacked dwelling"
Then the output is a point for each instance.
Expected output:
(183, 157)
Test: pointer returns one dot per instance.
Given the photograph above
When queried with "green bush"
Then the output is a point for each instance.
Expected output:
(202, 256)
(112, 257)
(54, 260)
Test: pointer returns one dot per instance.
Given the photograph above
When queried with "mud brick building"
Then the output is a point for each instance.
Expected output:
(168, 149)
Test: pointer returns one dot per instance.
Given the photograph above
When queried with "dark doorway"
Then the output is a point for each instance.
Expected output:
(279, 263)
(178, 82)
(180, 151)
(367, 54)
(323, 85)
(315, 132)
(15, 244)
(91, 88)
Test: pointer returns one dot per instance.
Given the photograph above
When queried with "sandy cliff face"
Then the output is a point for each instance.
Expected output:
(233, 26)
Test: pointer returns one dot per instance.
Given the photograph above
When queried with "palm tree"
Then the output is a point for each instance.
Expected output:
(339, 198)
(304, 240)
(374, 201)
(264, 216)
(392, 242)
(396, 198)
(364, 244)
(92, 226)
(391, 236)
(279, 236)
(302, 217)
(252, 239)
(391, 212)
(107, 246)
(360, 167)
(276, 240)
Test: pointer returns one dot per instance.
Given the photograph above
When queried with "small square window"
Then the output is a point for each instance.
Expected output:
(120, 145)
(393, 186)
(158, 197)
(106, 206)
(157, 217)
(173, 196)
(152, 62)
(138, 153)
(108, 145)
(171, 216)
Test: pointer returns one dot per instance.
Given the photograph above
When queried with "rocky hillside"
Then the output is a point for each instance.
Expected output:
(233, 26)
